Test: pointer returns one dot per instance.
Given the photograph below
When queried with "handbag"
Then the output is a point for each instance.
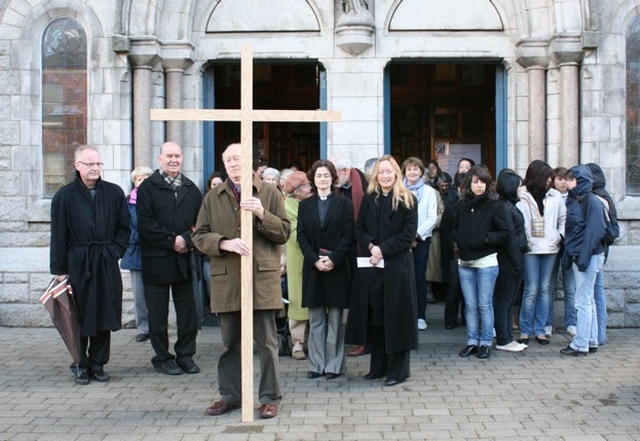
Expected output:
(537, 221)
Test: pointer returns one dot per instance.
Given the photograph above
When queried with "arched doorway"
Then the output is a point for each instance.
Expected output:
(277, 85)
(445, 111)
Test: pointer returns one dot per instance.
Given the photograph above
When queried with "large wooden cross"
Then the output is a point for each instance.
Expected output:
(247, 115)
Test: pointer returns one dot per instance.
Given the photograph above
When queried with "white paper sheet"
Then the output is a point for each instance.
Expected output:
(363, 262)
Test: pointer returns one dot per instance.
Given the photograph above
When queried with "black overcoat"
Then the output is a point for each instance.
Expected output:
(326, 289)
(162, 215)
(394, 232)
(88, 236)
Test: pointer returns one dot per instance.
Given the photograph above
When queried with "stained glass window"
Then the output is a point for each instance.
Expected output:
(64, 100)
(633, 108)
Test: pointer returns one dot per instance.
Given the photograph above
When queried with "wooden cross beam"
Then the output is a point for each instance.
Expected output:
(247, 116)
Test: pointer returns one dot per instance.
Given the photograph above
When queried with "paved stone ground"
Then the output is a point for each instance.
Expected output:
(535, 395)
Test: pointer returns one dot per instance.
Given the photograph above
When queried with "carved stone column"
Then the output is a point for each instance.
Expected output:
(143, 57)
(568, 55)
(533, 56)
(176, 57)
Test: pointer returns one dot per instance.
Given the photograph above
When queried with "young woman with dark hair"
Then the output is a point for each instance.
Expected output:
(431, 173)
(510, 262)
(479, 229)
(544, 214)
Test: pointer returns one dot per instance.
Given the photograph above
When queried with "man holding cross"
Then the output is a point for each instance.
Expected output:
(217, 234)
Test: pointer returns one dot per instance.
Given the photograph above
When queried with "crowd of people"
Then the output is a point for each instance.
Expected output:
(358, 254)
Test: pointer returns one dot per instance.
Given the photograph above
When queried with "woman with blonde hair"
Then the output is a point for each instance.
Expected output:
(383, 310)
(132, 259)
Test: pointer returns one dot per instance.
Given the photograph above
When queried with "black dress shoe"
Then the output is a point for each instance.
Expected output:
(82, 377)
(393, 382)
(331, 375)
(468, 350)
(569, 351)
(312, 374)
(169, 367)
(371, 376)
(187, 365)
(593, 349)
(142, 337)
(542, 341)
(484, 352)
(99, 375)
(449, 326)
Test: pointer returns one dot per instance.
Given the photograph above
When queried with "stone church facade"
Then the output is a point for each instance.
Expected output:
(507, 80)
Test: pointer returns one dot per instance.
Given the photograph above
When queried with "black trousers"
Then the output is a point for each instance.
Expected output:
(455, 302)
(395, 365)
(157, 297)
(504, 294)
(95, 351)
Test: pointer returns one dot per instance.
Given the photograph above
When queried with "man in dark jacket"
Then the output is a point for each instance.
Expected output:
(584, 251)
(167, 208)
(89, 233)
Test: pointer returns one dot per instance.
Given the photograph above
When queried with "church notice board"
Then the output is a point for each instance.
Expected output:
(448, 154)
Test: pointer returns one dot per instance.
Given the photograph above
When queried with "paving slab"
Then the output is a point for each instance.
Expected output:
(534, 395)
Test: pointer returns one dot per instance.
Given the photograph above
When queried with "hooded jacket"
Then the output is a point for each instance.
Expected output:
(584, 232)
(599, 184)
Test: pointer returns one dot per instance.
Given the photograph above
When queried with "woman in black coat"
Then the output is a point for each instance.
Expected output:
(479, 229)
(325, 235)
(510, 263)
(383, 310)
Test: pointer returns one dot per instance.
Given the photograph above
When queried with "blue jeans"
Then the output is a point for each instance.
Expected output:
(420, 257)
(601, 309)
(538, 269)
(587, 324)
(477, 288)
(569, 288)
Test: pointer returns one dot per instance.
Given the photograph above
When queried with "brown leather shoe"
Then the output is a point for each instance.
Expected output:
(356, 352)
(268, 410)
(220, 408)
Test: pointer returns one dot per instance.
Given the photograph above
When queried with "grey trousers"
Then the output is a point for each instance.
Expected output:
(141, 312)
(230, 366)
(326, 341)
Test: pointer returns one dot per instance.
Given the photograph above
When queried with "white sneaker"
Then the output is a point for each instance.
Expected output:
(548, 330)
(422, 325)
(571, 330)
(514, 346)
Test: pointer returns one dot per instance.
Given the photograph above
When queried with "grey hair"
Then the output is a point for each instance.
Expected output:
(141, 171)
(342, 163)
(82, 148)
(271, 171)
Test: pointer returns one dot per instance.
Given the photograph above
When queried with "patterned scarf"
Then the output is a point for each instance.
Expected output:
(174, 183)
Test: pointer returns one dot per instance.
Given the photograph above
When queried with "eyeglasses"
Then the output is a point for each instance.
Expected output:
(92, 164)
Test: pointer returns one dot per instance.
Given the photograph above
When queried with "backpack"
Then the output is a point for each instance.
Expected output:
(612, 229)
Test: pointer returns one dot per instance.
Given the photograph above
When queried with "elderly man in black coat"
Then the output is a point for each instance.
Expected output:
(89, 233)
(167, 208)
